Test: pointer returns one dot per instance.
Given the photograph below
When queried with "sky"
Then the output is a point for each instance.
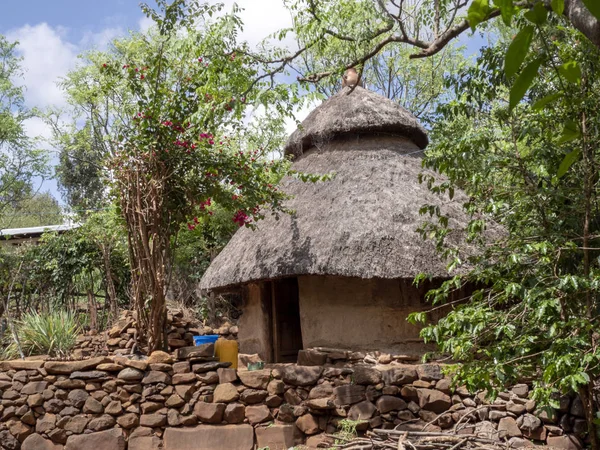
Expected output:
(52, 33)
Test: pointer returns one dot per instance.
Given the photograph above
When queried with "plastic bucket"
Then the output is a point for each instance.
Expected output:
(207, 339)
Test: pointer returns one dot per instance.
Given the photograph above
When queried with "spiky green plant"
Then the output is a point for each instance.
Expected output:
(51, 334)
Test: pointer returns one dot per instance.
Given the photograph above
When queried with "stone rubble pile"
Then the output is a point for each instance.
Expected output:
(191, 400)
(120, 338)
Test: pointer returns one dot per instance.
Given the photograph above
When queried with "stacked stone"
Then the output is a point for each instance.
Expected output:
(191, 398)
(120, 339)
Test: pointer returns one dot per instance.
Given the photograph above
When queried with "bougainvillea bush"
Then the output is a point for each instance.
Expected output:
(172, 108)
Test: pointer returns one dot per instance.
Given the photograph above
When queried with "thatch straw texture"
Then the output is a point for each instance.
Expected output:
(355, 110)
(360, 224)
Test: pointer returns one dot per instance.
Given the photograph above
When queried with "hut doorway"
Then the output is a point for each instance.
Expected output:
(285, 315)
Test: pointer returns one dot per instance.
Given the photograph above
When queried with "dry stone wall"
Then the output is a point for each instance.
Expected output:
(194, 402)
(120, 338)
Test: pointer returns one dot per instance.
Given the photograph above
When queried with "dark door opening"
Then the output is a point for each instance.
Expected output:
(287, 333)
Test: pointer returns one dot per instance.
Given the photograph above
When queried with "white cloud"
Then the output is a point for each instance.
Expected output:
(36, 127)
(145, 23)
(47, 56)
(263, 18)
(102, 39)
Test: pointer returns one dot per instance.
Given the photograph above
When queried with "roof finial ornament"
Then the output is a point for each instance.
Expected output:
(351, 78)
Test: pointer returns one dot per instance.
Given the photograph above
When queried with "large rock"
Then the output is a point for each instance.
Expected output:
(227, 375)
(399, 375)
(199, 351)
(104, 440)
(225, 393)
(153, 420)
(577, 408)
(387, 403)
(89, 375)
(34, 387)
(528, 423)
(129, 420)
(101, 423)
(348, 394)
(210, 437)
(256, 379)
(565, 442)
(130, 374)
(21, 364)
(143, 443)
(508, 428)
(209, 412)
(301, 375)
(155, 376)
(258, 414)
(160, 357)
(433, 400)
(37, 442)
(235, 413)
(362, 411)
(68, 367)
(45, 423)
(308, 424)
(77, 397)
(77, 424)
(429, 372)
(9, 442)
(311, 358)
(366, 375)
(278, 436)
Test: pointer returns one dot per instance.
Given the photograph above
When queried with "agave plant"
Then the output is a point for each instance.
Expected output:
(51, 334)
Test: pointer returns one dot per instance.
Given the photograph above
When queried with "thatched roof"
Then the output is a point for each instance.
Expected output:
(355, 110)
(360, 224)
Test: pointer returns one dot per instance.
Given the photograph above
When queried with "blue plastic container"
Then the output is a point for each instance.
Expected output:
(207, 339)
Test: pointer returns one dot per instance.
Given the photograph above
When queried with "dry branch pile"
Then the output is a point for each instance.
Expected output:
(380, 439)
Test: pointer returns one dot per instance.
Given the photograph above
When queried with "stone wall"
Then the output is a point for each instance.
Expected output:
(120, 338)
(195, 402)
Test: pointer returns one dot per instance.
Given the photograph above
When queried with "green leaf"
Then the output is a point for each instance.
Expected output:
(523, 81)
(567, 162)
(558, 6)
(517, 50)
(543, 102)
(570, 132)
(478, 12)
(538, 14)
(593, 6)
(507, 10)
(571, 71)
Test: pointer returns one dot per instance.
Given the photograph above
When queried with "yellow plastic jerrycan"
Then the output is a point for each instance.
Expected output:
(227, 351)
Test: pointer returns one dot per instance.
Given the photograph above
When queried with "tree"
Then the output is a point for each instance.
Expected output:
(534, 310)
(33, 211)
(170, 107)
(81, 170)
(20, 162)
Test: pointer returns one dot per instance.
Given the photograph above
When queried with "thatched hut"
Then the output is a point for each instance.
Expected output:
(339, 271)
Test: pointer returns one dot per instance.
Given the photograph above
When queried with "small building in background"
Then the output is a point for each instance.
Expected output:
(12, 237)
(339, 272)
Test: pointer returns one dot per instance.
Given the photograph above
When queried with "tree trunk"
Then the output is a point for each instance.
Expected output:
(110, 283)
(587, 392)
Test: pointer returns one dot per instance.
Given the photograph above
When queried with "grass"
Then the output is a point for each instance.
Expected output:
(51, 334)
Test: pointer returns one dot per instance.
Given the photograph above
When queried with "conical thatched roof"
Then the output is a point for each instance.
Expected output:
(355, 110)
(360, 224)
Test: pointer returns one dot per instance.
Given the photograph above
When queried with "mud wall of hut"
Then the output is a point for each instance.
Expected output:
(254, 325)
(359, 314)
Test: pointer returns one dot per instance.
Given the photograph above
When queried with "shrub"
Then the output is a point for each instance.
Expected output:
(51, 334)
